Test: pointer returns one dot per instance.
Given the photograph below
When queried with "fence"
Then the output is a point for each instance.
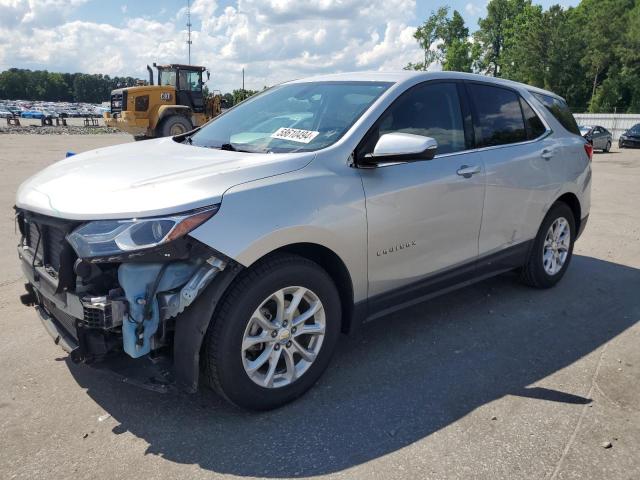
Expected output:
(616, 123)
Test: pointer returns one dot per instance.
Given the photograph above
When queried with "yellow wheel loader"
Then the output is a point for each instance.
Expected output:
(175, 105)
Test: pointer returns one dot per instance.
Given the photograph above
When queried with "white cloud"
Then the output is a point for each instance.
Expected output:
(473, 9)
(274, 40)
(35, 13)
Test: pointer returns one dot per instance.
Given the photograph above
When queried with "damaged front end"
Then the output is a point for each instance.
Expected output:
(116, 289)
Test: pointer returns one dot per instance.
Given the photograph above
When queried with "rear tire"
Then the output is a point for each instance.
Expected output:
(552, 249)
(175, 125)
(250, 329)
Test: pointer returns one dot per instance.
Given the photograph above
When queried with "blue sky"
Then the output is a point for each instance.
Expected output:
(273, 40)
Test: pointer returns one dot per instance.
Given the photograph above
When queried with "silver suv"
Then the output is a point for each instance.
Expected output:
(242, 249)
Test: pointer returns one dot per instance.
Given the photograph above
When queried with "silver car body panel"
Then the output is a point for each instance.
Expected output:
(149, 178)
(424, 214)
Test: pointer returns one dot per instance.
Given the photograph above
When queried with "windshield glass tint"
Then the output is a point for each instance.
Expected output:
(291, 118)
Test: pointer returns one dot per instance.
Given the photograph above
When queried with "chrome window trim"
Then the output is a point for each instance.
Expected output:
(504, 145)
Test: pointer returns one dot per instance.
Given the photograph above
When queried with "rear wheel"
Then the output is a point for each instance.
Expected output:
(175, 125)
(552, 248)
(274, 333)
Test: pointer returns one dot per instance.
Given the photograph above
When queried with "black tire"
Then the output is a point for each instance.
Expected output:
(533, 272)
(607, 148)
(175, 125)
(139, 138)
(224, 368)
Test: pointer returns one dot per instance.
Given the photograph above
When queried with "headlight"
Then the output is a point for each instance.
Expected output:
(113, 237)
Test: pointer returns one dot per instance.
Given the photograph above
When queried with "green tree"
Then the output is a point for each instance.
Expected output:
(446, 40)
(239, 95)
(427, 34)
(495, 31)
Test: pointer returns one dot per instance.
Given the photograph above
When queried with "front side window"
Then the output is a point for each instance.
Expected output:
(190, 81)
(560, 110)
(291, 118)
(431, 110)
(498, 116)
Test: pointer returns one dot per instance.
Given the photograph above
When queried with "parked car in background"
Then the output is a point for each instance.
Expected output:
(241, 250)
(5, 113)
(32, 114)
(598, 136)
(630, 138)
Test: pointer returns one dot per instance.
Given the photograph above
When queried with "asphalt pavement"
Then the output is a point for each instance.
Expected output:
(494, 381)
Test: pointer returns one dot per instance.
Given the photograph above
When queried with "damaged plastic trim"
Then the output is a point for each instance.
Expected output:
(173, 303)
(156, 292)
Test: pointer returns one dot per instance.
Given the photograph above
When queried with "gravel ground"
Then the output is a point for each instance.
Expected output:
(495, 381)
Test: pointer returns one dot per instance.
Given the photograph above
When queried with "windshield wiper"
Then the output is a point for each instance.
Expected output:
(229, 147)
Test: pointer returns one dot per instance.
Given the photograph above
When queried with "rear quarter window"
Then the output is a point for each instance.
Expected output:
(560, 110)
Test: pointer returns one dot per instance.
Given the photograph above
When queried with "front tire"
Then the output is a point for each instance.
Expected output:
(175, 125)
(274, 333)
(552, 248)
(607, 148)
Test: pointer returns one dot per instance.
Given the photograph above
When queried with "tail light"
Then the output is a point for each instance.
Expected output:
(588, 148)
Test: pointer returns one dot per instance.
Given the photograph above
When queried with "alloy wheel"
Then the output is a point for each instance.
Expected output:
(556, 246)
(283, 337)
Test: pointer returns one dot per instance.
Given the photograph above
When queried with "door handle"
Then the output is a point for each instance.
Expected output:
(547, 154)
(467, 171)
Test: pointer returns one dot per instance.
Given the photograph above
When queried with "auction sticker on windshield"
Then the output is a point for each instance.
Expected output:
(295, 134)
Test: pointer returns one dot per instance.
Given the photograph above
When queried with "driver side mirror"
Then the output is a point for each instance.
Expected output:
(401, 147)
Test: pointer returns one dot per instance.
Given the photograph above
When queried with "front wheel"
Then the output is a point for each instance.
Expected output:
(607, 148)
(552, 248)
(274, 333)
(175, 125)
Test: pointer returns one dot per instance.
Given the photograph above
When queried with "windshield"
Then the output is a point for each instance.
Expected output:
(291, 118)
(584, 129)
(635, 129)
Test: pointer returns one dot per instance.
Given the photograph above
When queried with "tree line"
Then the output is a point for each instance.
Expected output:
(20, 84)
(589, 54)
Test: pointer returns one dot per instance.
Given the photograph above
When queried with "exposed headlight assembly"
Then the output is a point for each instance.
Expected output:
(113, 237)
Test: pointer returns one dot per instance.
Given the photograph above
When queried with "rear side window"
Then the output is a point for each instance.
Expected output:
(532, 122)
(498, 116)
(560, 110)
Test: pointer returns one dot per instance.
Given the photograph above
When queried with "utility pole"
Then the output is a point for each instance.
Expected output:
(243, 79)
(189, 42)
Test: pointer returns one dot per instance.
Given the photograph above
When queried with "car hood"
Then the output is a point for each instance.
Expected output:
(153, 177)
(631, 134)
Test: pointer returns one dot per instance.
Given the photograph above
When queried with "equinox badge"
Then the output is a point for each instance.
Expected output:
(395, 248)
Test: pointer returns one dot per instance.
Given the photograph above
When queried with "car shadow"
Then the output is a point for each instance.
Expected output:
(395, 382)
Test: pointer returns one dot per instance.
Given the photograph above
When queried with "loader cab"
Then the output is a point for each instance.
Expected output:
(187, 80)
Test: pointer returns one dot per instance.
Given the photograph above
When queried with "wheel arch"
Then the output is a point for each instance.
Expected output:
(331, 263)
(572, 201)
